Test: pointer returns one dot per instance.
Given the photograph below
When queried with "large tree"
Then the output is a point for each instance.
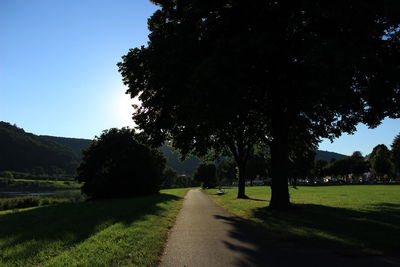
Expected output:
(319, 170)
(233, 72)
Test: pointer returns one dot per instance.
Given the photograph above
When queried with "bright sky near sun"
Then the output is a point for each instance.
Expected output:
(58, 73)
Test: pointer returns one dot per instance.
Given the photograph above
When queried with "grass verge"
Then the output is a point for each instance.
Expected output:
(352, 220)
(119, 232)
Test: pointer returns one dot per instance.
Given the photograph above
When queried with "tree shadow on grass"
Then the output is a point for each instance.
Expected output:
(316, 235)
(375, 230)
(24, 234)
(257, 199)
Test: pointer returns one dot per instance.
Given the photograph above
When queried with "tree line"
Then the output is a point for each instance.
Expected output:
(380, 166)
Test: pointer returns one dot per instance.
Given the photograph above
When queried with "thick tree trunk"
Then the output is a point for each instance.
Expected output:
(242, 180)
(279, 167)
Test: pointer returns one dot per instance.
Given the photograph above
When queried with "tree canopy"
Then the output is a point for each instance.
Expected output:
(381, 162)
(226, 172)
(117, 165)
(396, 153)
(232, 73)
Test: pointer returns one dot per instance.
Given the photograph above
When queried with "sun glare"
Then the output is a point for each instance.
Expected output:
(124, 109)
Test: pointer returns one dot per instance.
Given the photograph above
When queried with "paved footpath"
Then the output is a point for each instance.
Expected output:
(207, 235)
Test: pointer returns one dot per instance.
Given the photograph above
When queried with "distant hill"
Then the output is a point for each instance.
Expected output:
(190, 165)
(187, 166)
(26, 152)
(22, 151)
(328, 156)
(76, 145)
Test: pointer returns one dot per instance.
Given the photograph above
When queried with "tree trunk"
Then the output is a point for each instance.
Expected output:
(279, 166)
(242, 180)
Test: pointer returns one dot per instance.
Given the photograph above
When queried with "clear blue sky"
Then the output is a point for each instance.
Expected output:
(58, 73)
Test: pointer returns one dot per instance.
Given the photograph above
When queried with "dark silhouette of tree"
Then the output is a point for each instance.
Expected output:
(169, 178)
(396, 153)
(359, 165)
(349, 169)
(117, 165)
(226, 172)
(258, 166)
(319, 171)
(232, 73)
(301, 158)
(381, 164)
(206, 175)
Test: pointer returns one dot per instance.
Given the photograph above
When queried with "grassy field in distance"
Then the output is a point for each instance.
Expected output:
(36, 185)
(123, 232)
(352, 220)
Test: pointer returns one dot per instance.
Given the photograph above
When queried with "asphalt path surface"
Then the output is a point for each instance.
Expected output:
(207, 235)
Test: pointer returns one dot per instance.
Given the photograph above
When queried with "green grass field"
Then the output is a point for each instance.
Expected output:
(37, 185)
(123, 232)
(353, 220)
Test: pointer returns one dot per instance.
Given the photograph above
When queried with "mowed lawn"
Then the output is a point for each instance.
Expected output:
(352, 220)
(119, 232)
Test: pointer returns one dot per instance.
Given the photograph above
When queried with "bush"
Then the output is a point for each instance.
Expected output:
(117, 165)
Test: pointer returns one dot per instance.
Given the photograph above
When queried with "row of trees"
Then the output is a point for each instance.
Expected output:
(381, 165)
(117, 164)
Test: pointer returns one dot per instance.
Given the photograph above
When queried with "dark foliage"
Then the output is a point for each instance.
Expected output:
(347, 169)
(116, 165)
(187, 166)
(226, 172)
(206, 174)
(219, 74)
(396, 153)
(258, 166)
(381, 162)
(26, 152)
(76, 145)
(171, 179)
(318, 171)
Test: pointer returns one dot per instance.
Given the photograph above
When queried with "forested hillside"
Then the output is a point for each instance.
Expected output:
(187, 166)
(328, 156)
(76, 145)
(26, 152)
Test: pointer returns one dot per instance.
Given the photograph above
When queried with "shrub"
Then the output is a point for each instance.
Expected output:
(117, 165)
